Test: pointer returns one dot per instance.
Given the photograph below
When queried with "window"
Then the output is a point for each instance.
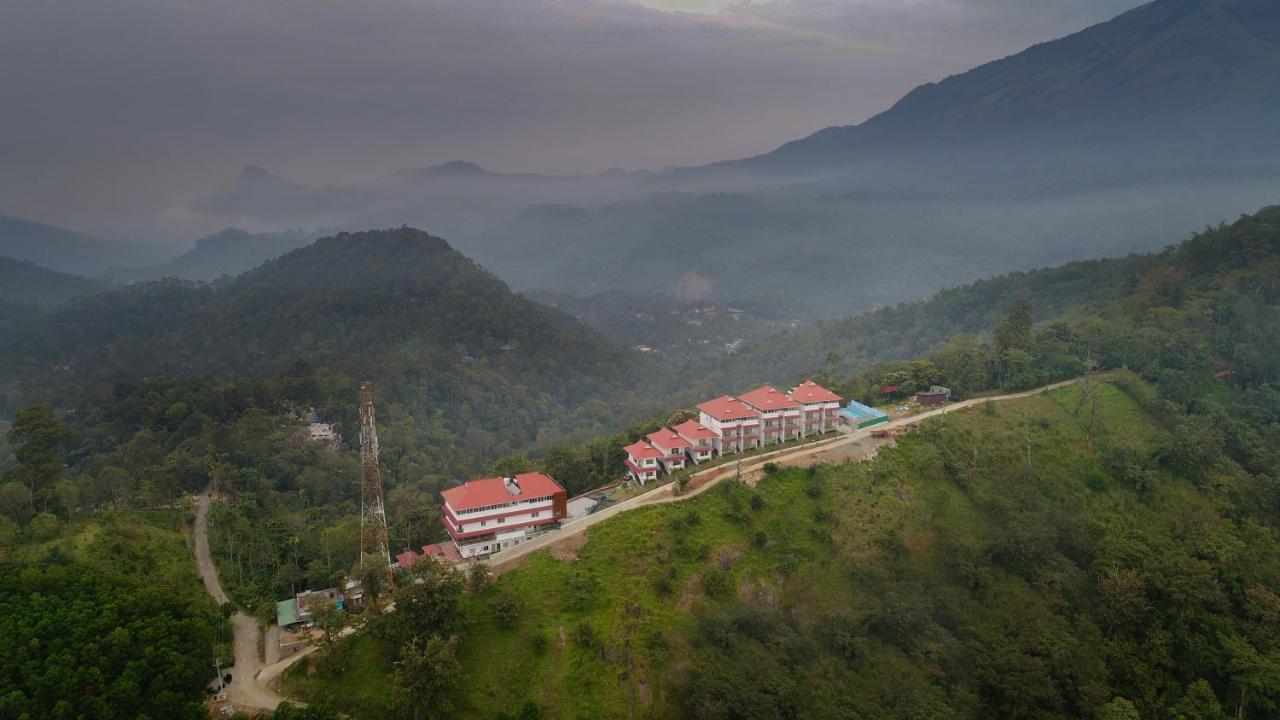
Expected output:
(535, 513)
(501, 520)
(482, 523)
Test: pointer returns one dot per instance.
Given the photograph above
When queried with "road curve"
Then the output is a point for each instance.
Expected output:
(507, 559)
(245, 689)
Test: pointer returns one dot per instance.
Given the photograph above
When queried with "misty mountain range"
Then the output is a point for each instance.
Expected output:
(1108, 141)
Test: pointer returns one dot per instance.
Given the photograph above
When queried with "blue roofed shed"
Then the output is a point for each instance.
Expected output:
(862, 416)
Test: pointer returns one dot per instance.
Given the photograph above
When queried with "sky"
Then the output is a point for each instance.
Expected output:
(118, 114)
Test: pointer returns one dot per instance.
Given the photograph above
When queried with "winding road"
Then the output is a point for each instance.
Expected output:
(245, 690)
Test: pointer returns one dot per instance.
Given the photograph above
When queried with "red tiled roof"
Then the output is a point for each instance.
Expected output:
(809, 392)
(406, 559)
(493, 491)
(669, 439)
(445, 551)
(727, 408)
(696, 430)
(768, 397)
(641, 450)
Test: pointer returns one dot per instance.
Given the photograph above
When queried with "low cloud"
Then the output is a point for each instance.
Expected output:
(117, 112)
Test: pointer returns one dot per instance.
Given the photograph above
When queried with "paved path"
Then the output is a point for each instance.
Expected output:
(509, 558)
(245, 690)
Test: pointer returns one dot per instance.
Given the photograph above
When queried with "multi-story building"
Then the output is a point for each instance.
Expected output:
(779, 414)
(673, 447)
(736, 425)
(702, 440)
(485, 516)
(820, 407)
(643, 461)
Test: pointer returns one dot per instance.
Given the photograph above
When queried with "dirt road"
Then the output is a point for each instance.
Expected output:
(856, 443)
(245, 689)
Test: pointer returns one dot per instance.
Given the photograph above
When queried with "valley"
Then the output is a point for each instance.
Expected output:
(961, 407)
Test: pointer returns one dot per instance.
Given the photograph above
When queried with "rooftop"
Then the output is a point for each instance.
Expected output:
(726, 407)
(695, 430)
(498, 490)
(809, 392)
(668, 438)
(767, 398)
(861, 412)
(641, 450)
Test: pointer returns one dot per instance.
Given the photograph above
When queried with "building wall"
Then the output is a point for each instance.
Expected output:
(496, 519)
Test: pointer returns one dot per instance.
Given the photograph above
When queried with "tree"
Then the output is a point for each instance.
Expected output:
(372, 575)
(1014, 332)
(1119, 709)
(39, 440)
(15, 501)
(329, 620)
(513, 465)
(426, 678)
(427, 604)
(478, 576)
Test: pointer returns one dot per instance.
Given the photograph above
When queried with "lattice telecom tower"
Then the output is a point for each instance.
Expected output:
(373, 515)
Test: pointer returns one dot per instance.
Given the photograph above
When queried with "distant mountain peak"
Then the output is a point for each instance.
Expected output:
(1181, 64)
(456, 167)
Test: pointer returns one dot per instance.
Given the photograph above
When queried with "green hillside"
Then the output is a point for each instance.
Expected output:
(1105, 550)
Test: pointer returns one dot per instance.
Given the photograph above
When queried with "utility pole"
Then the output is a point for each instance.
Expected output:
(373, 515)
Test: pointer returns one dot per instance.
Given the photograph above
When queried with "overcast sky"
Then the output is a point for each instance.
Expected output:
(113, 112)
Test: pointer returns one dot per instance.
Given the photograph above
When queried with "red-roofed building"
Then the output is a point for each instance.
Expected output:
(406, 559)
(485, 516)
(736, 424)
(702, 440)
(643, 461)
(673, 447)
(821, 407)
(779, 414)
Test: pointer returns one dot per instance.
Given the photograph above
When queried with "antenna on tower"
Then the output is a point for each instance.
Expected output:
(373, 515)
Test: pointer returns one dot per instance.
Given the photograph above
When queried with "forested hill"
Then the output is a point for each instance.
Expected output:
(352, 301)
(28, 283)
(228, 252)
(1078, 290)
(1171, 74)
(464, 370)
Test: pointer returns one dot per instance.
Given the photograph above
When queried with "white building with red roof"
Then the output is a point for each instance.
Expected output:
(779, 414)
(736, 424)
(821, 407)
(643, 461)
(674, 448)
(485, 516)
(702, 440)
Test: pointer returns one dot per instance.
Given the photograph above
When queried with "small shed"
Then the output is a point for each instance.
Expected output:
(287, 613)
(935, 395)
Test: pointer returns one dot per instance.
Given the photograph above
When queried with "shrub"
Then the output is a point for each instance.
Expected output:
(506, 610)
(538, 643)
(585, 634)
(715, 583)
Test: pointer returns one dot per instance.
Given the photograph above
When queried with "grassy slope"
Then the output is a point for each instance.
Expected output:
(853, 521)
